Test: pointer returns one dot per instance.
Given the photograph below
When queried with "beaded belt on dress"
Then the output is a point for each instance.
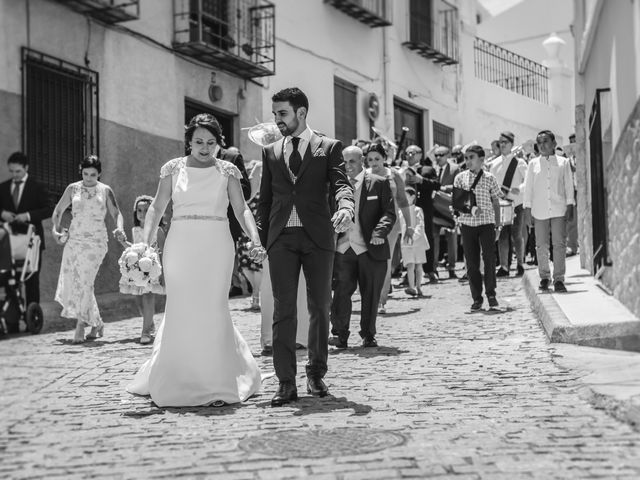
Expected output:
(212, 218)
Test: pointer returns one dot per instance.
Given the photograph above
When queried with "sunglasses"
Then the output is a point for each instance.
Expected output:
(439, 155)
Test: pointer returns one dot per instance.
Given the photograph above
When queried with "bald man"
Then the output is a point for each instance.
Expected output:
(362, 252)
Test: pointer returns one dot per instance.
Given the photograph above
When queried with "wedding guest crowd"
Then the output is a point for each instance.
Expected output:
(399, 198)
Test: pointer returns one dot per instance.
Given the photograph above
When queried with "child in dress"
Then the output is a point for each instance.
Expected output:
(414, 254)
(145, 295)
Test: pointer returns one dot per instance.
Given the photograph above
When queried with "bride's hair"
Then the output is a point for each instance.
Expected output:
(206, 121)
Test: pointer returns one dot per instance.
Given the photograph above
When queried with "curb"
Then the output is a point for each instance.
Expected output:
(559, 328)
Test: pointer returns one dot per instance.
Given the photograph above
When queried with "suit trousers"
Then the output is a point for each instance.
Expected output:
(516, 233)
(430, 265)
(32, 286)
(291, 251)
(352, 270)
(477, 240)
(452, 247)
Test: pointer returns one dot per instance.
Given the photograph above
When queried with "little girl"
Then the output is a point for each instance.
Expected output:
(414, 254)
(145, 295)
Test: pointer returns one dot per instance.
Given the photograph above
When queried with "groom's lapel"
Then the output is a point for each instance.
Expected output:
(314, 143)
(278, 152)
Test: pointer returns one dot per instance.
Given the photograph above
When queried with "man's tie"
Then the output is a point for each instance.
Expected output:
(16, 192)
(295, 159)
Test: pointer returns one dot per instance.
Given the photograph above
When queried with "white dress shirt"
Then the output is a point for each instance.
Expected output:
(353, 237)
(548, 187)
(305, 138)
(499, 167)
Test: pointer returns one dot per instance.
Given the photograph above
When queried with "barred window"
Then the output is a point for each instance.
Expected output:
(60, 118)
(442, 135)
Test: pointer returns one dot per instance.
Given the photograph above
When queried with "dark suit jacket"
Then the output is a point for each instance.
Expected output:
(451, 169)
(238, 161)
(35, 201)
(321, 174)
(425, 191)
(376, 214)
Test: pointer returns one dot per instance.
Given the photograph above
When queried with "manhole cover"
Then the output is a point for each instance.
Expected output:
(322, 443)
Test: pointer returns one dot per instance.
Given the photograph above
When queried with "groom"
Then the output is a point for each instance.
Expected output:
(299, 173)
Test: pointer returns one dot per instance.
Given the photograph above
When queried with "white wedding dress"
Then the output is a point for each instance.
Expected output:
(198, 357)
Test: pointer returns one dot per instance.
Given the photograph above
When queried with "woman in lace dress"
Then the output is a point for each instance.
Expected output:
(85, 245)
(199, 358)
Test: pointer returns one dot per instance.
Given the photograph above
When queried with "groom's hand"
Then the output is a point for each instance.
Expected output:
(341, 220)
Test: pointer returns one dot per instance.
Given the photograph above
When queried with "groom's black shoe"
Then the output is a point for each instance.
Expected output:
(317, 387)
(287, 393)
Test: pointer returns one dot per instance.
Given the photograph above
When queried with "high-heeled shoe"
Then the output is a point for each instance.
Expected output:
(96, 332)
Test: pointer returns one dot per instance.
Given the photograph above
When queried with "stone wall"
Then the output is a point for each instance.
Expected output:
(623, 188)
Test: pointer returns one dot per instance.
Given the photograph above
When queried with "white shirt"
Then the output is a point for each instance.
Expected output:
(499, 167)
(354, 238)
(548, 187)
(305, 138)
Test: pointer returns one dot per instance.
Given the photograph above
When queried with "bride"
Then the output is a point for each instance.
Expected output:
(198, 357)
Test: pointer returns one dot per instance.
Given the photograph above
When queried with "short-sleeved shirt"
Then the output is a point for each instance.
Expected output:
(486, 189)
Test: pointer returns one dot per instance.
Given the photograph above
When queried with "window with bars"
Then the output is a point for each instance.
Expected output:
(60, 118)
(442, 135)
(345, 100)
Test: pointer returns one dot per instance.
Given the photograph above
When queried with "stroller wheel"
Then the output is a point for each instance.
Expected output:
(34, 318)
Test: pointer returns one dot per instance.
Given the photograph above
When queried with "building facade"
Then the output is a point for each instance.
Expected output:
(119, 78)
(607, 65)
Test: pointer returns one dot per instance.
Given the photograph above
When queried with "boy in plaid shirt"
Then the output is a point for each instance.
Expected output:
(479, 228)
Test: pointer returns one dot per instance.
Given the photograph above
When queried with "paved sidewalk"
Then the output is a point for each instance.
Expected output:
(447, 395)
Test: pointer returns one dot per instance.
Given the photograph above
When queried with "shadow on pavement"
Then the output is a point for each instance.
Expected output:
(208, 411)
(402, 312)
(308, 405)
(369, 352)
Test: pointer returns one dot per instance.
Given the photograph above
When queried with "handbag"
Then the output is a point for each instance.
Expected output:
(464, 200)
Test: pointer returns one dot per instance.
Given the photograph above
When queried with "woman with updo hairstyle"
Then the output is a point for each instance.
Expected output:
(85, 246)
(375, 156)
(199, 358)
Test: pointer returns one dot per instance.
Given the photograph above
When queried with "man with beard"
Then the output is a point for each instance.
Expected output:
(299, 173)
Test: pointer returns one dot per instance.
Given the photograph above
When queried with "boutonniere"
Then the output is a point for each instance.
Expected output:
(319, 153)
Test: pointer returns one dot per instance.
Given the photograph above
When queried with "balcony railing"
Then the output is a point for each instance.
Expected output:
(436, 39)
(375, 13)
(108, 11)
(237, 36)
(506, 69)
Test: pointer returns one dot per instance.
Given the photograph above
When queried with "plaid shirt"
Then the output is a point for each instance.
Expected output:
(486, 189)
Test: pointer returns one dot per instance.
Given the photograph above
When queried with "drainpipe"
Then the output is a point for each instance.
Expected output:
(386, 84)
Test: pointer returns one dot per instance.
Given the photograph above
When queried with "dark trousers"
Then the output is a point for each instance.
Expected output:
(352, 270)
(430, 266)
(477, 240)
(32, 286)
(292, 250)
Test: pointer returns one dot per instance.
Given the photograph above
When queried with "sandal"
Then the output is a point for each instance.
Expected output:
(96, 332)
(145, 339)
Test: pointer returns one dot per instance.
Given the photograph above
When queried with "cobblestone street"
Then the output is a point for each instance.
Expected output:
(446, 395)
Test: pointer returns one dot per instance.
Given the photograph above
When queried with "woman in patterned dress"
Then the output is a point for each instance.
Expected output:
(85, 245)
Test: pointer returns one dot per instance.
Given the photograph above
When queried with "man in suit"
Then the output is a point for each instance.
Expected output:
(233, 155)
(362, 252)
(446, 169)
(299, 173)
(24, 201)
(422, 177)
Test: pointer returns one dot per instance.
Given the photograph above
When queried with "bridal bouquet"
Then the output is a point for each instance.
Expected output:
(140, 265)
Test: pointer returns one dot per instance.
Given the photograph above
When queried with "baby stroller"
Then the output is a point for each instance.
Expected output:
(19, 257)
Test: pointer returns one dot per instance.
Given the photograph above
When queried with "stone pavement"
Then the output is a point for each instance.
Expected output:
(447, 395)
